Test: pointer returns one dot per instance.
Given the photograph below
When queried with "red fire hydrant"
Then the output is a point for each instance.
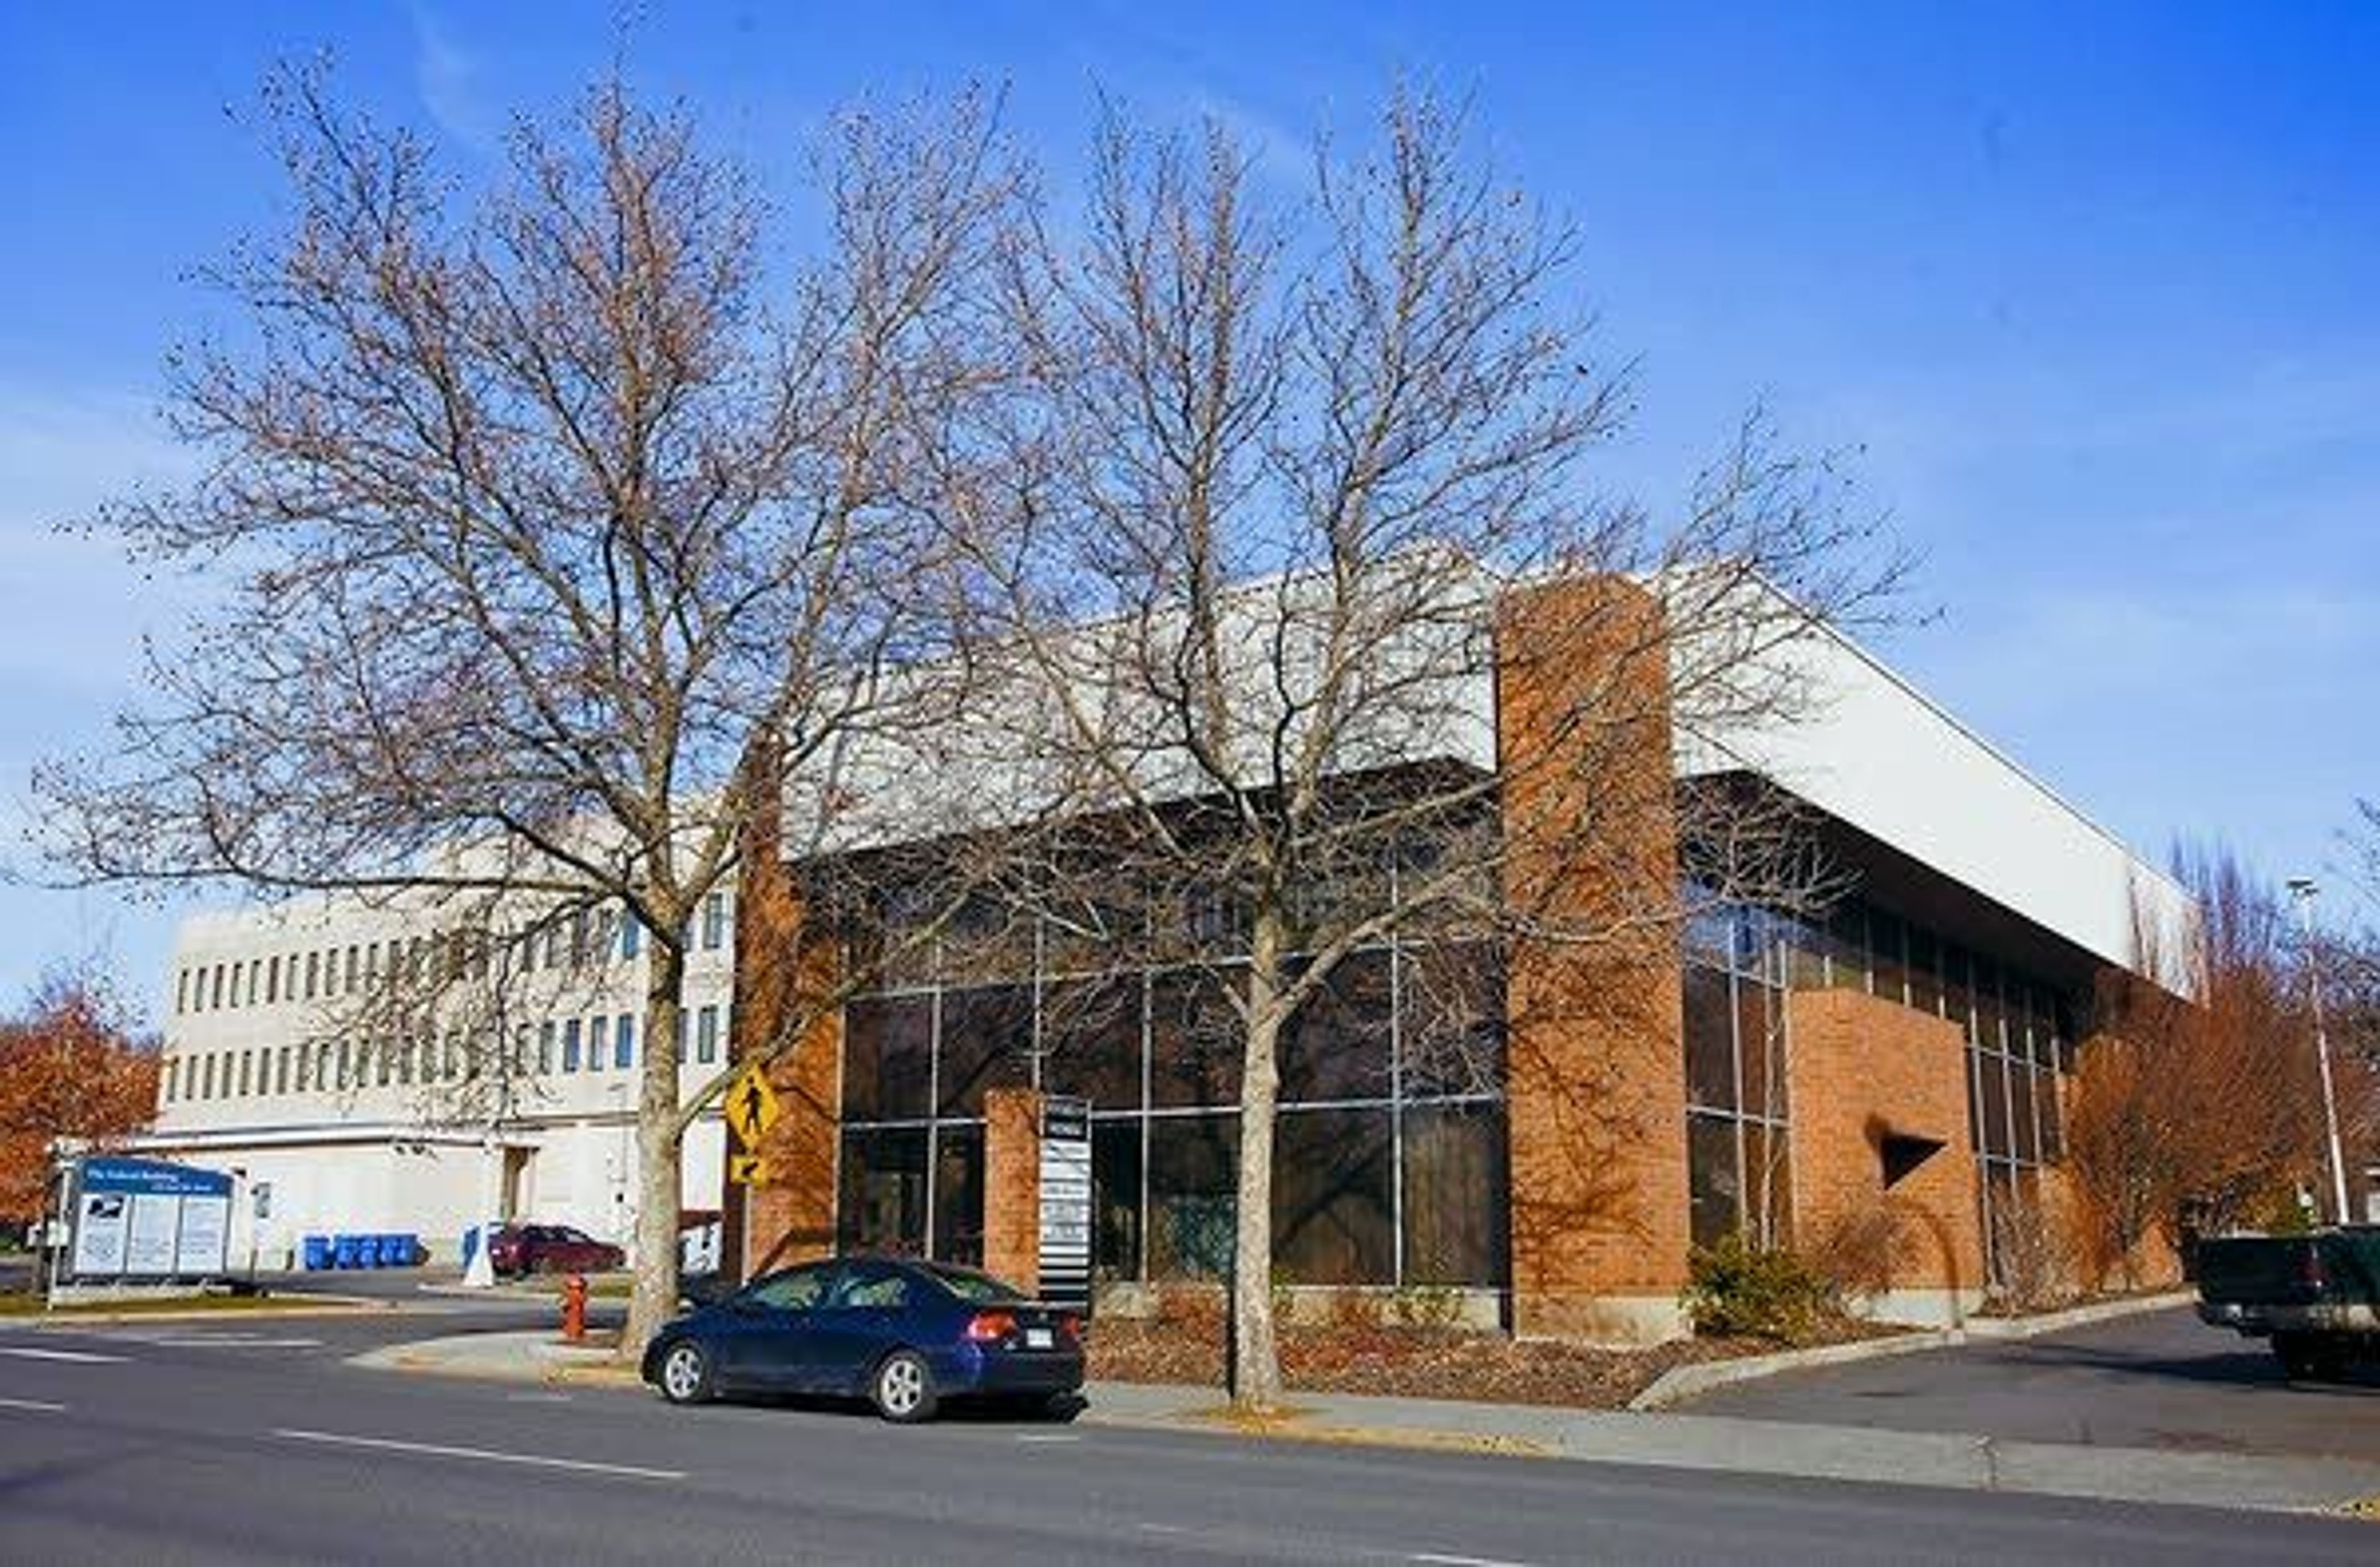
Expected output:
(574, 1308)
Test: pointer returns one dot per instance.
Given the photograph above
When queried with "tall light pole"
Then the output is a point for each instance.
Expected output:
(2303, 891)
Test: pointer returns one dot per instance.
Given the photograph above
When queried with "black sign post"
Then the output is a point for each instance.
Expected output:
(1065, 1250)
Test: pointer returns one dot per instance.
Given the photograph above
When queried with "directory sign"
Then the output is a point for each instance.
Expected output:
(1065, 1251)
(146, 1219)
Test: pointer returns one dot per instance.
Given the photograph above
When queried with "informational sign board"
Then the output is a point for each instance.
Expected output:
(145, 1219)
(1065, 1249)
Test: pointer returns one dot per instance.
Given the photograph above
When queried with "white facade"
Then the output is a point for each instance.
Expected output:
(520, 1101)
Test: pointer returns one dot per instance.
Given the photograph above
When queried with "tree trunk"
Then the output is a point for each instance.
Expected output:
(659, 1150)
(1255, 1373)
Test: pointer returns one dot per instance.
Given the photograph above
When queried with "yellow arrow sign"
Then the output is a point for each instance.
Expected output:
(747, 1169)
(751, 1107)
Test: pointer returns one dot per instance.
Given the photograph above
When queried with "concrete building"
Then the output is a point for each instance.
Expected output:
(1889, 1080)
(1886, 1079)
(297, 1055)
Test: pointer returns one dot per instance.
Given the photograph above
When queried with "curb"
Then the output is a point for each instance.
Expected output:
(323, 1307)
(2009, 1328)
(1683, 1383)
(1423, 1439)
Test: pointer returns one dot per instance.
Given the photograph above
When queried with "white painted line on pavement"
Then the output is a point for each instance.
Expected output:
(37, 1406)
(74, 1357)
(1047, 1437)
(1441, 1560)
(537, 1397)
(236, 1343)
(484, 1455)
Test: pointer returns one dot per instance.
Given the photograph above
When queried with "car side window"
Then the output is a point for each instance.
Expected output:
(796, 1289)
(861, 1291)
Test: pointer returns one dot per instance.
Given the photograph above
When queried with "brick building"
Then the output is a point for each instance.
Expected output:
(1887, 1076)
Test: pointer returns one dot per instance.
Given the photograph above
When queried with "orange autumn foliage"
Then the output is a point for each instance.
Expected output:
(72, 1066)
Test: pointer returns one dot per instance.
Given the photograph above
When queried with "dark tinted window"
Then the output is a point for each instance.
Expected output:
(979, 1289)
(796, 1289)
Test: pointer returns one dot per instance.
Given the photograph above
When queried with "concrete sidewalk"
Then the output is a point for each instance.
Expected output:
(1952, 1460)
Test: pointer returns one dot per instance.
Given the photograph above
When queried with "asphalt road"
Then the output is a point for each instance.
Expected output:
(255, 1442)
(2166, 1380)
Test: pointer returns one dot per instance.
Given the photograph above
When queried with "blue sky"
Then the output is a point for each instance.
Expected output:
(2089, 288)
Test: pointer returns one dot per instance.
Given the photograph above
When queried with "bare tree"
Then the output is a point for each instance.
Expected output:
(1300, 501)
(556, 529)
(2202, 1111)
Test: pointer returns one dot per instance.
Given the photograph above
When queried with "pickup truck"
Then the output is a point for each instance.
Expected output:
(2316, 1296)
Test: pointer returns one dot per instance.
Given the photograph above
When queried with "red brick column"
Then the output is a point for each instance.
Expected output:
(1595, 1073)
(780, 983)
(1012, 1186)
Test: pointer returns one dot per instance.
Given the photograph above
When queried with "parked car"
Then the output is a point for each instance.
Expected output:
(905, 1336)
(2316, 1296)
(520, 1249)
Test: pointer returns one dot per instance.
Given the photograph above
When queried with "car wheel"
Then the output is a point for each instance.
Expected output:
(684, 1373)
(903, 1388)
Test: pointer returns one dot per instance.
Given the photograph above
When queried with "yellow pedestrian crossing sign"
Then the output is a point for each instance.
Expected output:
(751, 1107)
(747, 1169)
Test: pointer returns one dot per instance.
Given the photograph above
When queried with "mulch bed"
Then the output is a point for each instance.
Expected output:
(1418, 1362)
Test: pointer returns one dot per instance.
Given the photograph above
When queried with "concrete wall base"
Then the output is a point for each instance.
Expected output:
(1920, 1308)
(1613, 1322)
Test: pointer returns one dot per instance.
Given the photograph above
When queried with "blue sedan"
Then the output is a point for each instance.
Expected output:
(904, 1335)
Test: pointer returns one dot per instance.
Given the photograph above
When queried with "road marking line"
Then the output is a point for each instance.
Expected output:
(1047, 1437)
(485, 1455)
(1441, 1560)
(236, 1343)
(537, 1397)
(36, 1405)
(74, 1357)
(1164, 1529)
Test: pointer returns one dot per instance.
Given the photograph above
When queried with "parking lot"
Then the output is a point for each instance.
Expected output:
(2165, 1380)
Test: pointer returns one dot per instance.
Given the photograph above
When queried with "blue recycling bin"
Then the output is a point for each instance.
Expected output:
(318, 1253)
(343, 1252)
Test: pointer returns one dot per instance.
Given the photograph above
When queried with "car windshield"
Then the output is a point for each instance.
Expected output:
(975, 1289)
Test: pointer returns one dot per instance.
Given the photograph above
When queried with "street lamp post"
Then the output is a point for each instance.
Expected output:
(2303, 891)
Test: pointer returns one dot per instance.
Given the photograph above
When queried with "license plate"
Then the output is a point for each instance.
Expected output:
(1037, 1337)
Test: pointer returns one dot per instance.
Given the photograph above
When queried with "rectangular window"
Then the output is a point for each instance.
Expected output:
(215, 991)
(1710, 1041)
(884, 1203)
(1454, 1194)
(1714, 1185)
(355, 969)
(682, 1036)
(632, 936)
(255, 979)
(1333, 1214)
(348, 1075)
(246, 1066)
(1091, 1047)
(1337, 1045)
(304, 1067)
(181, 992)
(1194, 1044)
(238, 975)
(714, 921)
(599, 1043)
(577, 938)
(624, 1042)
(280, 1070)
(706, 1037)
(272, 980)
(1192, 1160)
(207, 1077)
(958, 1196)
(570, 1045)
(987, 1041)
(545, 1047)
(313, 973)
(1116, 1197)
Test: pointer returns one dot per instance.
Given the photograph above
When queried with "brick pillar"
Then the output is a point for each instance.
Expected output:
(1872, 1085)
(780, 978)
(1012, 1186)
(1595, 1075)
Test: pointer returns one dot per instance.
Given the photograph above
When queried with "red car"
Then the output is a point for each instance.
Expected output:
(518, 1249)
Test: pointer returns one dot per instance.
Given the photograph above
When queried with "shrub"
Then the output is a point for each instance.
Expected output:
(1736, 1289)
